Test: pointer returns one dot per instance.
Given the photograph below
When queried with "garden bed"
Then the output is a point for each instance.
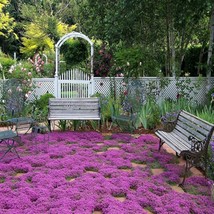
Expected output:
(90, 172)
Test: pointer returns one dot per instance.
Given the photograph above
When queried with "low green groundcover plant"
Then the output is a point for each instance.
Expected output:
(74, 174)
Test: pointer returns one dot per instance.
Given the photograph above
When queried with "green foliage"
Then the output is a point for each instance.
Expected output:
(209, 95)
(163, 32)
(135, 61)
(128, 61)
(187, 89)
(23, 72)
(206, 113)
(5, 63)
(42, 102)
(165, 106)
(48, 70)
(105, 107)
(62, 125)
(74, 52)
(149, 114)
(41, 32)
(6, 22)
(40, 112)
(35, 40)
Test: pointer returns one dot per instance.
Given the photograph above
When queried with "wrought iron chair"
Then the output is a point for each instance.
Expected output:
(9, 138)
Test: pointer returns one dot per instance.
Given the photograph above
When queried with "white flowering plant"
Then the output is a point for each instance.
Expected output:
(22, 72)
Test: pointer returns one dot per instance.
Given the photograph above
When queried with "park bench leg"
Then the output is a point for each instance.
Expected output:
(188, 166)
(10, 147)
(161, 142)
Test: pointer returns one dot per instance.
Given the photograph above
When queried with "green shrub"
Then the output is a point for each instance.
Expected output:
(206, 114)
(42, 102)
(5, 63)
(136, 61)
(74, 51)
(41, 107)
(211, 91)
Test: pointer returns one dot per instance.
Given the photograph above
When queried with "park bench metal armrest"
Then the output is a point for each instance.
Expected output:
(124, 121)
(196, 145)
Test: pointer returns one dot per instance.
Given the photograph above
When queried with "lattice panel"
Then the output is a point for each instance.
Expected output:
(197, 95)
(106, 86)
(102, 86)
(42, 86)
(151, 86)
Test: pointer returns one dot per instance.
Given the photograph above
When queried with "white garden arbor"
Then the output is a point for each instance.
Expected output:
(76, 80)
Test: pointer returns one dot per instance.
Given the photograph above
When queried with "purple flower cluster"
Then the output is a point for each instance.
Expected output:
(82, 172)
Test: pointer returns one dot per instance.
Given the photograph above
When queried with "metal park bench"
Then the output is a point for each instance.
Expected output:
(189, 137)
(73, 109)
(126, 122)
(8, 138)
(21, 124)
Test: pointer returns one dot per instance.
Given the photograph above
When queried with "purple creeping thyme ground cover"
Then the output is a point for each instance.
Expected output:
(83, 172)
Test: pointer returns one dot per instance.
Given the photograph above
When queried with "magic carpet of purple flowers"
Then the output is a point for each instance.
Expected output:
(83, 172)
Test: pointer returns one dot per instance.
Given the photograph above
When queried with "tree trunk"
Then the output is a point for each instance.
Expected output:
(211, 43)
(200, 60)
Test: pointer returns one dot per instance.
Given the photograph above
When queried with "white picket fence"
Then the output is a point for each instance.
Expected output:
(74, 83)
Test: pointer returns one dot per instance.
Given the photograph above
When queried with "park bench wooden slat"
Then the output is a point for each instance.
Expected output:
(190, 138)
(189, 131)
(186, 125)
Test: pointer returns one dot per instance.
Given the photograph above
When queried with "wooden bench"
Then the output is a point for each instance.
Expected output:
(73, 109)
(189, 138)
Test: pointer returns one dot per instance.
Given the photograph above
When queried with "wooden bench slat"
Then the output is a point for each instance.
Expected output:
(174, 141)
(196, 126)
(190, 116)
(189, 132)
(165, 137)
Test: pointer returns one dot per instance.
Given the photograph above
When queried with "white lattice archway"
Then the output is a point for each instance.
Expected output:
(57, 47)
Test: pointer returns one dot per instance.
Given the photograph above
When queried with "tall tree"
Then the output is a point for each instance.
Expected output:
(6, 22)
(164, 27)
(42, 32)
(211, 44)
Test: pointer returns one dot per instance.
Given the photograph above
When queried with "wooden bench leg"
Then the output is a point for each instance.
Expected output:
(49, 125)
(100, 125)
